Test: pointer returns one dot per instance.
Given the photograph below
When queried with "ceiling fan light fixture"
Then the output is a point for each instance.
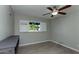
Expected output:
(54, 13)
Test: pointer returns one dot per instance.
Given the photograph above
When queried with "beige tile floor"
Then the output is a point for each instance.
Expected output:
(45, 48)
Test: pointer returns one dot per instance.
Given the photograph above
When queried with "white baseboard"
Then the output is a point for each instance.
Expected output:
(32, 43)
(65, 46)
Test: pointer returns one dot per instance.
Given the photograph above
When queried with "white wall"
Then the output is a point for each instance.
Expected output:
(28, 37)
(6, 22)
(65, 29)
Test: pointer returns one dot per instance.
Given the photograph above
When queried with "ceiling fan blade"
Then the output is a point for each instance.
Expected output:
(50, 8)
(67, 6)
(62, 13)
(51, 15)
(46, 14)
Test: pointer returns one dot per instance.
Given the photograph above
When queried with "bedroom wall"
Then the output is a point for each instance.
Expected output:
(65, 29)
(6, 22)
(31, 37)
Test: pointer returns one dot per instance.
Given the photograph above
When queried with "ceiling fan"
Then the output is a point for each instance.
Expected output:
(55, 10)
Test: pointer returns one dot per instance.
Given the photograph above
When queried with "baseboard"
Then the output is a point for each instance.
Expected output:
(32, 43)
(65, 46)
(50, 41)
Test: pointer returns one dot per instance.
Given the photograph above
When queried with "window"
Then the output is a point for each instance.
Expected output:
(32, 26)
